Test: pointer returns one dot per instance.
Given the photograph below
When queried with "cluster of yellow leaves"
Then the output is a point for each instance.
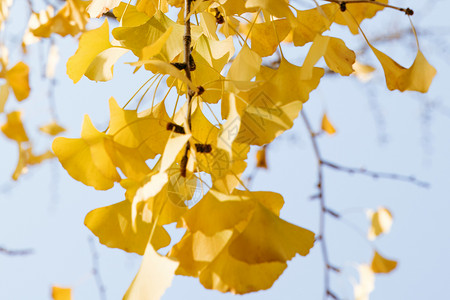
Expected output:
(14, 130)
(234, 239)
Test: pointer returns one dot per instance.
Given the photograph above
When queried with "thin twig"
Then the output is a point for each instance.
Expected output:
(96, 270)
(10, 252)
(323, 211)
(373, 174)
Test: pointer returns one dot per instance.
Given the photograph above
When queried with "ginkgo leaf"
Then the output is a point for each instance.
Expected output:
(71, 19)
(417, 78)
(113, 226)
(244, 67)
(86, 159)
(153, 278)
(209, 25)
(210, 57)
(132, 17)
(278, 8)
(61, 293)
(99, 7)
(327, 126)
(95, 56)
(310, 23)
(154, 49)
(13, 128)
(36, 20)
(381, 222)
(355, 11)
(366, 283)
(27, 158)
(227, 274)
(267, 238)
(337, 56)
(52, 128)
(137, 38)
(17, 78)
(150, 7)
(148, 132)
(381, 264)
(265, 39)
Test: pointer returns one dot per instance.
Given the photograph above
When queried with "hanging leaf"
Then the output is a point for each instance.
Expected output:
(381, 222)
(381, 264)
(327, 126)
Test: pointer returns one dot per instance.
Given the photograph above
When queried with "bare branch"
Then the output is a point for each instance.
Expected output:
(96, 270)
(20, 252)
(373, 174)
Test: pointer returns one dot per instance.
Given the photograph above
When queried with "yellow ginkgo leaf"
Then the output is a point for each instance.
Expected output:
(153, 278)
(132, 17)
(147, 133)
(150, 7)
(337, 56)
(13, 128)
(310, 23)
(61, 293)
(70, 19)
(209, 25)
(52, 128)
(137, 38)
(381, 222)
(86, 159)
(267, 238)
(381, 264)
(95, 56)
(28, 158)
(17, 78)
(366, 283)
(113, 226)
(244, 67)
(99, 7)
(210, 57)
(265, 39)
(417, 78)
(355, 11)
(278, 8)
(36, 20)
(227, 274)
(327, 126)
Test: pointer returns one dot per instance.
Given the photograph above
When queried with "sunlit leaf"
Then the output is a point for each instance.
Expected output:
(98, 7)
(13, 128)
(17, 78)
(153, 278)
(417, 78)
(265, 39)
(113, 226)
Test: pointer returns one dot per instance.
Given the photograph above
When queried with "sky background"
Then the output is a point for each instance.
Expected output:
(404, 133)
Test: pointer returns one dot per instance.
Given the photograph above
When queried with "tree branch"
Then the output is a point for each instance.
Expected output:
(323, 210)
(10, 252)
(373, 174)
(96, 270)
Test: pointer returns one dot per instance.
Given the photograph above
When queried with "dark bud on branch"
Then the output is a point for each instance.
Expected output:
(176, 128)
(203, 148)
(343, 6)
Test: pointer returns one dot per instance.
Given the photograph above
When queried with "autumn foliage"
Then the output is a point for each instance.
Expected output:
(234, 240)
